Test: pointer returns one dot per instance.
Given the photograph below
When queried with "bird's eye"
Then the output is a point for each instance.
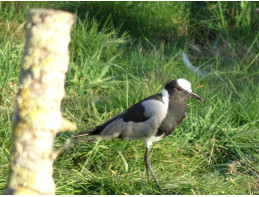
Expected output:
(180, 89)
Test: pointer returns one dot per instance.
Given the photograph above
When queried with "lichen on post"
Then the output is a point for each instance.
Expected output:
(37, 117)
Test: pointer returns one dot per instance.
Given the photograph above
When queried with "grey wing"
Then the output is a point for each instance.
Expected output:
(142, 120)
(137, 113)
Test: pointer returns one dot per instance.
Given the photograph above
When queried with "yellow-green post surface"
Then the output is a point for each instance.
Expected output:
(37, 117)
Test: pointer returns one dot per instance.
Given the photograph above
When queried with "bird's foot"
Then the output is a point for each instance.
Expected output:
(156, 181)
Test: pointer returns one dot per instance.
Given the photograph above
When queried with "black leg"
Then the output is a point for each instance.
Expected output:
(147, 163)
(148, 167)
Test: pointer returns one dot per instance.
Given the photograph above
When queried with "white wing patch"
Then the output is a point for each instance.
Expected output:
(154, 108)
(184, 84)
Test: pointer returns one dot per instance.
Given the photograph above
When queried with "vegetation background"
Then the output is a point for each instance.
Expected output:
(122, 52)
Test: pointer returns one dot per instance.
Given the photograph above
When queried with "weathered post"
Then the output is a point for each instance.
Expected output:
(37, 117)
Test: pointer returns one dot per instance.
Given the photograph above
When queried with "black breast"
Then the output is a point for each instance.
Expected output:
(175, 115)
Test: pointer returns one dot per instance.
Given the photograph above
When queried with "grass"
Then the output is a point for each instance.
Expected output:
(213, 151)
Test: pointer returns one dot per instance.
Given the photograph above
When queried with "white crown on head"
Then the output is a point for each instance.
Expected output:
(183, 83)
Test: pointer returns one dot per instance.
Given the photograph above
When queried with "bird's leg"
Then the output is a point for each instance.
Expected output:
(148, 167)
(147, 163)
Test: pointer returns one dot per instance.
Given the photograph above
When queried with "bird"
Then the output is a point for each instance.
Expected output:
(149, 120)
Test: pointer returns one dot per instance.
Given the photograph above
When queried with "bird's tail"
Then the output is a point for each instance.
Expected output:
(84, 133)
(80, 134)
(91, 133)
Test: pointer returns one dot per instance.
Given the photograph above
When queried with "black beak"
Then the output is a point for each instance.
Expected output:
(195, 96)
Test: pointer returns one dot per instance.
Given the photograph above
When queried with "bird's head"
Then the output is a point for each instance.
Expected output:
(182, 88)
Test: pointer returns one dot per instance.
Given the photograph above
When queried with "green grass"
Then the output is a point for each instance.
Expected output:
(119, 58)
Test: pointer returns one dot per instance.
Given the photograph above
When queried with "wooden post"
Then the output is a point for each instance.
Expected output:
(37, 117)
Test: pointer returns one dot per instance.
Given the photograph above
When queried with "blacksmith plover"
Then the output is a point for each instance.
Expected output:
(149, 120)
